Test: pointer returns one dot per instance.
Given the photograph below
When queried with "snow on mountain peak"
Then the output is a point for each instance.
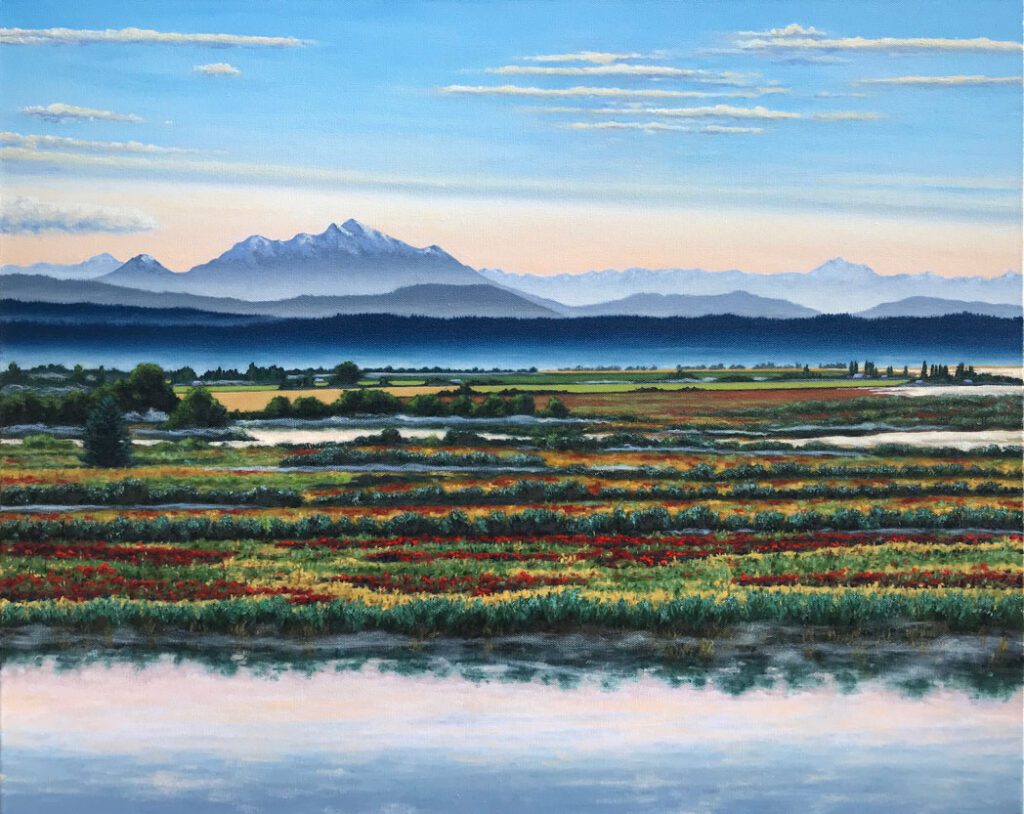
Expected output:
(839, 268)
(350, 238)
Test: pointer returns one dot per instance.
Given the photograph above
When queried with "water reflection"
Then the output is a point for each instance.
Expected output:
(381, 723)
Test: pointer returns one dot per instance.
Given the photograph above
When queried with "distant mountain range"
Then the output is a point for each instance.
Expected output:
(86, 270)
(935, 307)
(448, 301)
(833, 287)
(354, 269)
(739, 303)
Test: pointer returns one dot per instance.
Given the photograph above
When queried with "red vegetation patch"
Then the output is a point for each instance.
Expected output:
(92, 582)
(483, 584)
(133, 554)
(618, 550)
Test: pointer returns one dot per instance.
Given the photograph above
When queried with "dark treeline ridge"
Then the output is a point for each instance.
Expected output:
(147, 387)
(949, 335)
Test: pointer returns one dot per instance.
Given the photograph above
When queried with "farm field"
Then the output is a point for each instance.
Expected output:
(254, 397)
(621, 518)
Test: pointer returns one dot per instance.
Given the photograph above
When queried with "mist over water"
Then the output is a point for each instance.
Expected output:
(240, 349)
(540, 723)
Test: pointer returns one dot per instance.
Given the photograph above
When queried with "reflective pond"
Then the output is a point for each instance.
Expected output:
(382, 724)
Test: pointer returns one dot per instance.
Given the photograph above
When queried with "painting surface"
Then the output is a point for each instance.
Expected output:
(510, 406)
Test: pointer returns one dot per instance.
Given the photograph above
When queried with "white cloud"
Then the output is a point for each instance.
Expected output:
(217, 69)
(943, 81)
(847, 116)
(625, 69)
(788, 43)
(791, 30)
(595, 92)
(136, 36)
(598, 57)
(659, 127)
(23, 215)
(704, 112)
(36, 142)
(59, 113)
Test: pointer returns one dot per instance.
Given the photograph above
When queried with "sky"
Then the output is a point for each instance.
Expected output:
(536, 137)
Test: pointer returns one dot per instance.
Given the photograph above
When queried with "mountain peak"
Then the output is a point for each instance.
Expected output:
(354, 226)
(839, 268)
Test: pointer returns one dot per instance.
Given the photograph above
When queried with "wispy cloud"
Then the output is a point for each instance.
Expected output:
(611, 93)
(791, 30)
(757, 112)
(703, 112)
(666, 127)
(943, 81)
(805, 43)
(625, 69)
(23, 215)
(848, 116)
(217, 69)
(37, 142)
(139, 36)
(1000, 204)
(598, 57)
(59, 112)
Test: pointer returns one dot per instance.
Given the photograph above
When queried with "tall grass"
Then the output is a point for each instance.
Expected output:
(554, 613)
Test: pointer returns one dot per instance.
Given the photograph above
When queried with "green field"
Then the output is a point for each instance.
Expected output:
(626, 387)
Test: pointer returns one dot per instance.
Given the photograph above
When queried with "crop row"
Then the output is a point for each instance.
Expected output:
(138, 493)
(979, 577)
(530, 522)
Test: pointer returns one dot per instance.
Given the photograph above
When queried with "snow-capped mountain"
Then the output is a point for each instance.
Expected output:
(833, 287)
(342, 260)
(142, 271)
(86, 270)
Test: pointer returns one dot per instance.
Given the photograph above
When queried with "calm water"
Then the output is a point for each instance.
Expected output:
(370, 724)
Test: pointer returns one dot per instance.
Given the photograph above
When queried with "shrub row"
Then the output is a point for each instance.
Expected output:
(134, 492)
(529, 521)
(576, 491)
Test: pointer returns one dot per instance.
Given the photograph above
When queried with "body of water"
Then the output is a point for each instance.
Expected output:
(371, 724)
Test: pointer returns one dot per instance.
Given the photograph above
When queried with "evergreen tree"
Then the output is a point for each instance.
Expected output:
(106, 440)
(924, 370)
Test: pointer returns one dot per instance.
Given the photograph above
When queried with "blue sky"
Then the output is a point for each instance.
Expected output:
(722, 138)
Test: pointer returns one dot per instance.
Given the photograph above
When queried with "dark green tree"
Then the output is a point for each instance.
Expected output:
(555, 408)
(106, 440)
(346, 374)
(199, 409)
(278, 407)
(146, 387)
